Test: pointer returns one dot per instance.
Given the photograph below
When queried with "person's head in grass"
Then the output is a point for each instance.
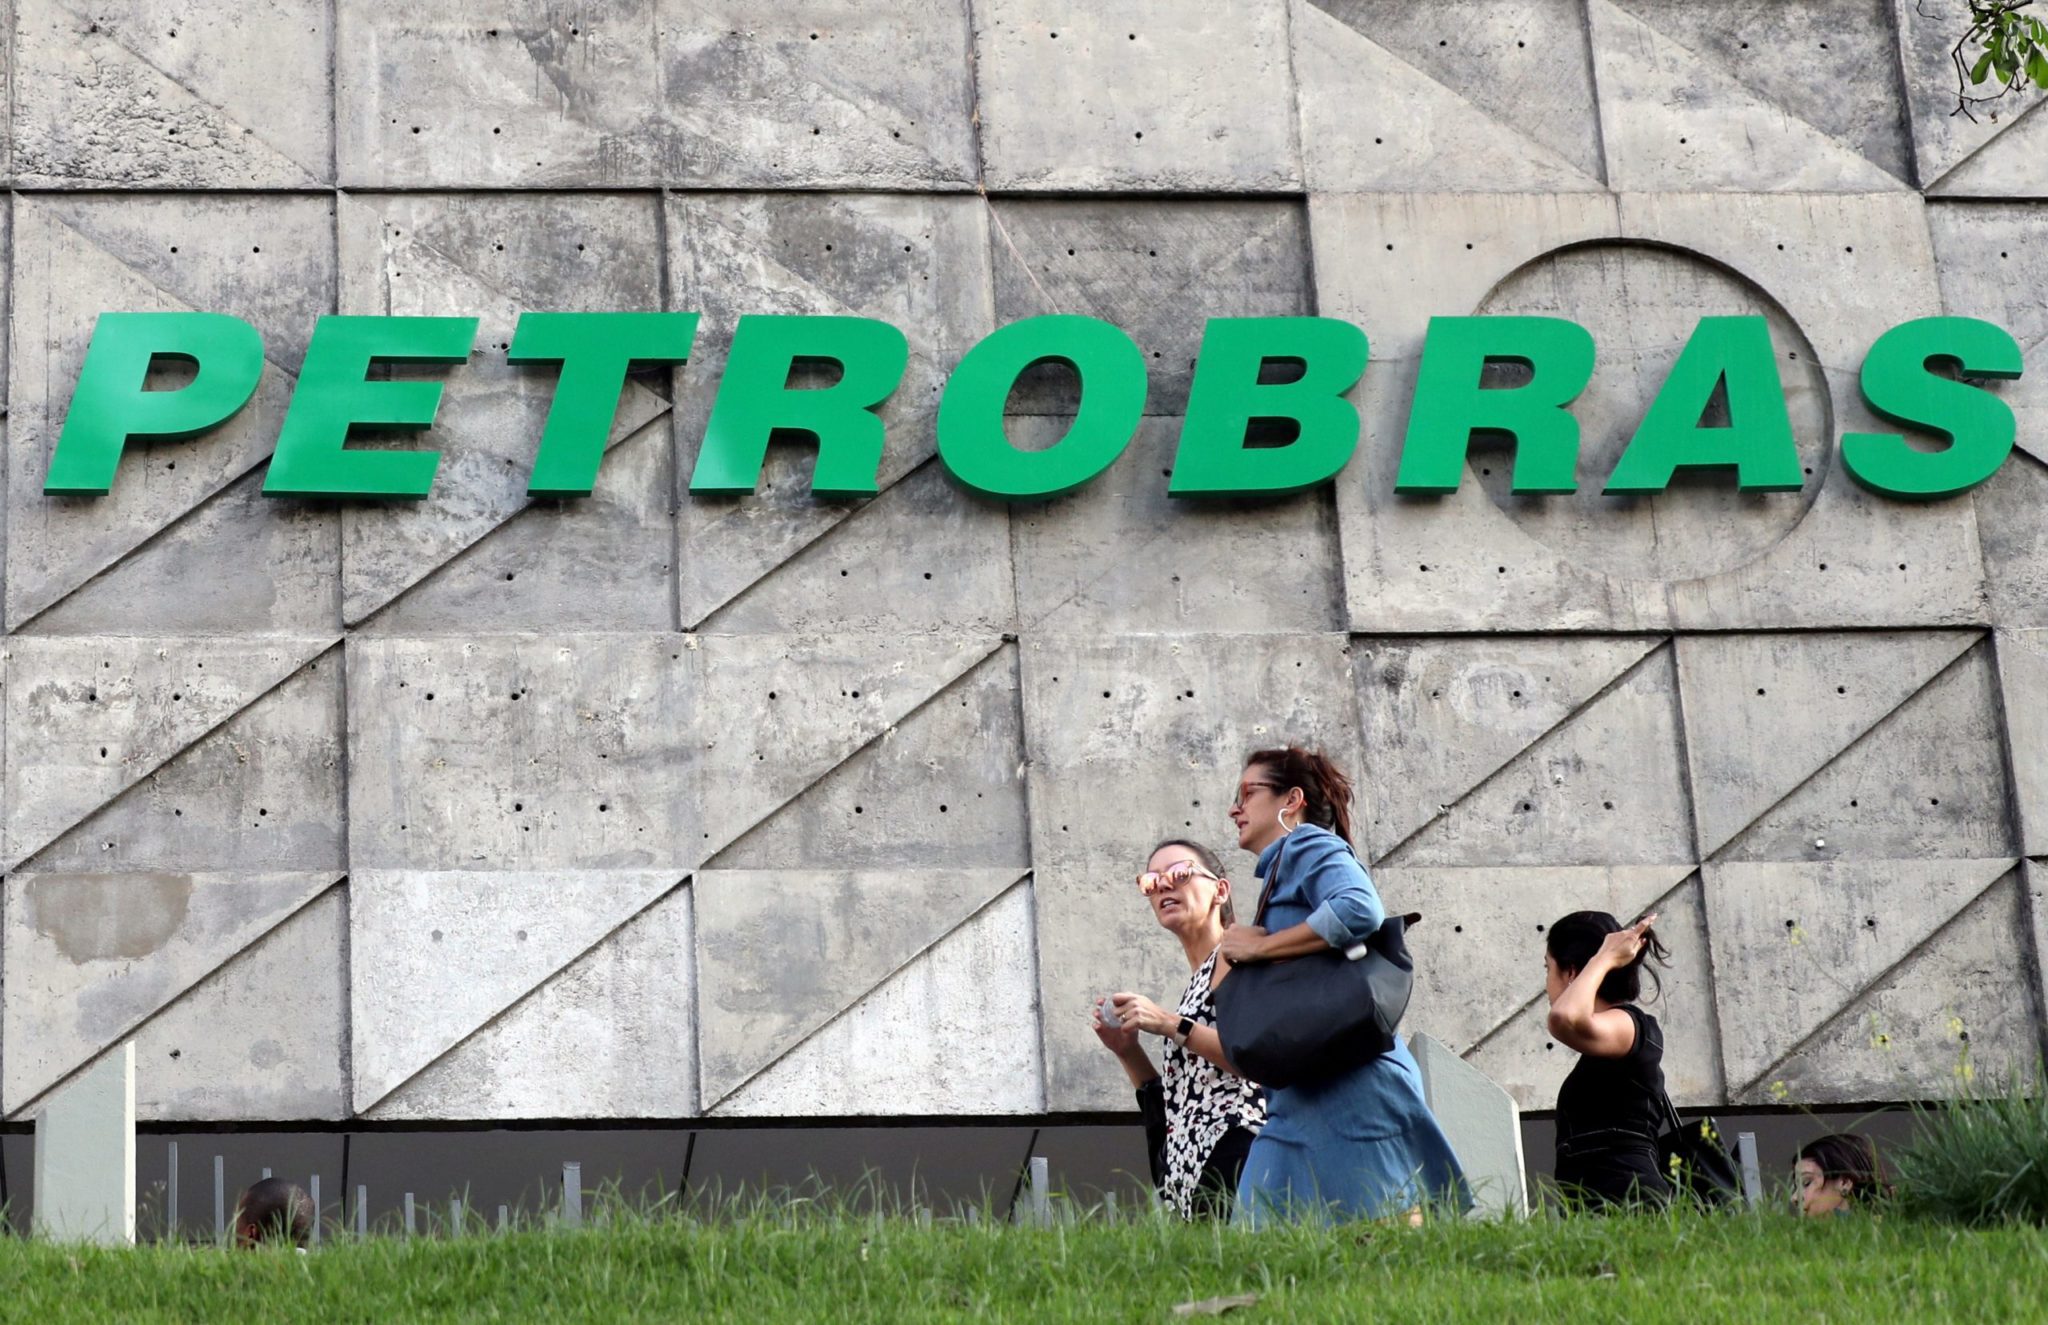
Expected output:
(1835, 1172)
(1571, 943)
(273, 1211)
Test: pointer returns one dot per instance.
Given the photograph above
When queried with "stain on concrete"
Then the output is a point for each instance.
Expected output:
(109, 918)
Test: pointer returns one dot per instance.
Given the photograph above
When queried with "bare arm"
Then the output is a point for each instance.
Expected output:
(1576, 1020)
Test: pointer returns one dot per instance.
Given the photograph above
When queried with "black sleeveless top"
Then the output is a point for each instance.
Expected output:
(1609, 1112)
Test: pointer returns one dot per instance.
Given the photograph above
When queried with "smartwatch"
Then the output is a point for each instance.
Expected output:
(1182, 1031)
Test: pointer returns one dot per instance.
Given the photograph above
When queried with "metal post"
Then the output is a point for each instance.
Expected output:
(1041, 1191)
(1752, 1178)
(171, 1195)
(1109, 1206)
(504, 1218)
(313, 1184)
(266, 1173)
(455, 1216)
(572, 1194)
(220, 1197)
(362, 1210)
(411, 1221)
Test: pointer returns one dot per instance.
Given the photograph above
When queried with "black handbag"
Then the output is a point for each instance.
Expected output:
(1311, 1018)
(1695, 1162)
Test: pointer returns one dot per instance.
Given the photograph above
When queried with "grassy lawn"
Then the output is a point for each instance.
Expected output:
(1737, 1268)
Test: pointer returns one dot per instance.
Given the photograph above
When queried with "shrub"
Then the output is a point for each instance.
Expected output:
(1981, 1158)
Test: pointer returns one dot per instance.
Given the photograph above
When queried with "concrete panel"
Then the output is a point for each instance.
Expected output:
(1152, 96)
(1808, 937)
(269, 261)
(923, 556)
(1928, 780)
(263, 1038)
(2014, 539)
(954, 1032)
(1523, 1058)
(1833, 64)
(241, 563)
(1479, 948)
(943, 788)
(1607, 786)
(1483, 1124)
(919, 263)
(2023, 689)
(1121, 554)
(1132, 739)
(2009, 166)
(477, 93)
(129, 95)
(499, 753)
(1671, 119)
(90, 957)
(1764, 713)
(1961, 1011)
(435, 956)
(605, 1037)
(85, 1157)
(1134, 264)
(265, 786)
(1942, 138)
(1442, 716)
(494, 257)
(781, 954)
(1482, 558)
(2034, 878)
(1522, 64)
(89, 718)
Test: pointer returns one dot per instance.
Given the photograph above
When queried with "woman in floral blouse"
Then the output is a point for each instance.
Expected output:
(1200, 1116)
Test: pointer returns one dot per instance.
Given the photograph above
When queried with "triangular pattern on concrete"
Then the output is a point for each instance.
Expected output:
(1763, 713)
(89, 957)
(1371, 122)
(1832, 63)
(780, 953)
(1942, 137)
(268, 778)
(52, 548)
(1798, 942)
(2023, 682)
(1607, 786)
(1441, 716)
(487, 429)
(2012, 165)
(1927, 782)
(1470, 917)
(608, 1036)
(918, 1043)
(146, 84)
(433, 955)
(1673, 122)
(774, 713)
(1965, 997)
(89, 718)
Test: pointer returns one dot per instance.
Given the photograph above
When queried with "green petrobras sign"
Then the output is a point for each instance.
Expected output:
(1913, 375)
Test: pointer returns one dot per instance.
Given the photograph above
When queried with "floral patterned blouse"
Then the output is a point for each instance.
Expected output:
(1203, 1102)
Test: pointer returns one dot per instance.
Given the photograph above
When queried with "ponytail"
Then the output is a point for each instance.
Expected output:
(1324, 788)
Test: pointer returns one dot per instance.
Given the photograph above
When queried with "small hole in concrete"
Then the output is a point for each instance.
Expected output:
(1759, 690)
(1139, 134)
(942, 809)
(1852, 805)
(1841, 690)
(518, 805)
(1934, 800)
(1606, 805)
(603, 808)
(858, 810)
(1425, 568)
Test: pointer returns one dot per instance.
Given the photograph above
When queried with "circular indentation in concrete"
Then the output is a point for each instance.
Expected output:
(1641, 302)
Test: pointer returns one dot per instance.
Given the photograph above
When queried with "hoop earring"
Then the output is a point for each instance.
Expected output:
(1280, 817)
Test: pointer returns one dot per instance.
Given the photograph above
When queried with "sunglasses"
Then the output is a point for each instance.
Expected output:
(1172, 876)
(1250, 787)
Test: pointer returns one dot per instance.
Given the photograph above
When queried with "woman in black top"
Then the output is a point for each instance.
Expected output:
(1612, 1106)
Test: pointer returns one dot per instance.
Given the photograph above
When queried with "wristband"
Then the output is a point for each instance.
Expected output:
(1182, 1031)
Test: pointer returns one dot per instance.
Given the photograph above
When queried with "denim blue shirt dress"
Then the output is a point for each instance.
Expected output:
(1363, 1145)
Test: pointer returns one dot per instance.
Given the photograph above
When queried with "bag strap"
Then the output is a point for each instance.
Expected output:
(1266, 885)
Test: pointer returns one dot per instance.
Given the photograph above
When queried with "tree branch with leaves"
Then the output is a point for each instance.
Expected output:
(2002, 47)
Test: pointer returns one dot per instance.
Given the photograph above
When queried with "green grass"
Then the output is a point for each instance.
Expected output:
(821, 1267)
(1981, 1158)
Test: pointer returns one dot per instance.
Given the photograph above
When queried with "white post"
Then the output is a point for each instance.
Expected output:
(171, 1195)
(572, 1195)
(220, 1197)
(1041, 1191)
(85, 1155)
(1482, 1122)
(314, 1195)
(411, 1222)
(1752, 1177)
(362, 1209)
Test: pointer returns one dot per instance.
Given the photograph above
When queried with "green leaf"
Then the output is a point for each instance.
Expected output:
(2037, 68)
(1982, 67)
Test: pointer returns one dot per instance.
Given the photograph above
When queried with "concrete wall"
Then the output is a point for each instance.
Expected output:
(646, 806)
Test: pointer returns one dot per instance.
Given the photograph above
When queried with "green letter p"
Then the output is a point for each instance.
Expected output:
(111, 403)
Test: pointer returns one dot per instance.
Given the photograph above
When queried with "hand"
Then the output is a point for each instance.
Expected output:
(1119, 1040)
(1243, 943)
(1620, 947)
(1141, 1013)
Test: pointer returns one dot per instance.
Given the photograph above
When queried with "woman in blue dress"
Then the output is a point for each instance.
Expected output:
(1364, 1144)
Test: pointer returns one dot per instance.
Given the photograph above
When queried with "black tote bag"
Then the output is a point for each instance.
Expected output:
(1695, 1163)
(1311, 1018)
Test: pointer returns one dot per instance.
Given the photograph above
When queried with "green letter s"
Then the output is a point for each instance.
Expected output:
(110, 405)
(1979, 426)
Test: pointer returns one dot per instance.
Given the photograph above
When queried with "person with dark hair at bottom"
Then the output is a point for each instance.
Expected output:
(1836, 1173)
(274, 1211)
(1611, 1107)
(1361, 1144)
(1200, 1115)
